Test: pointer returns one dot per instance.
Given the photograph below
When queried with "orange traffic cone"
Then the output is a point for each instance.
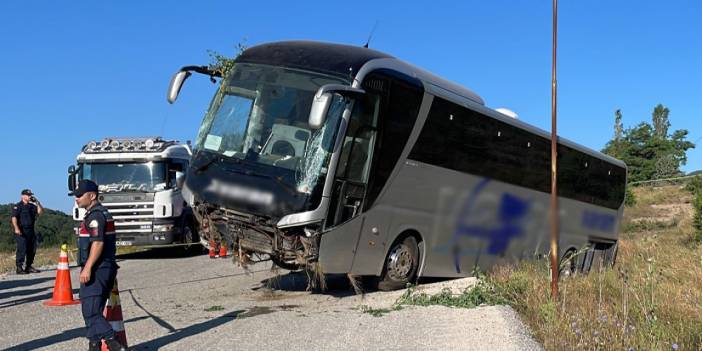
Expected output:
(63, 293)
(212, 249)
(223, 250)
(113, 314)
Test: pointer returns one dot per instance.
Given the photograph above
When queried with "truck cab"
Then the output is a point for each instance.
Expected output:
(138, 182)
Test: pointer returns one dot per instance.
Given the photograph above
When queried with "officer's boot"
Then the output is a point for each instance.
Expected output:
(114, 345)
(31, 269)
(94, 345)
(21, 270)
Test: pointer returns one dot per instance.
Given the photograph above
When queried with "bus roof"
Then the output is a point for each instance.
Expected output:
(337, 59)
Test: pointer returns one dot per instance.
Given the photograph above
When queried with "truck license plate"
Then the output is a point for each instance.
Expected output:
(124, 243)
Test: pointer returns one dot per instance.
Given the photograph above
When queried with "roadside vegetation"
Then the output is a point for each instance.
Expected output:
(650, 300)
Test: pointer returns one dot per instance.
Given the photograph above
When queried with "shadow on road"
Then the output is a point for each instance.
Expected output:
(337, 285)
(66, 335)
(186, 332)
(156, 318)
(23, 292)
(41, 297)
(164, 253)
(16, 283)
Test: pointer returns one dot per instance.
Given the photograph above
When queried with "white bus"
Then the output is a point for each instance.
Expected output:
(354, 160)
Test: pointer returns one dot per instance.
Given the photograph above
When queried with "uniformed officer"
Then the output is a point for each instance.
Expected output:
(96, 257)
(24, 214)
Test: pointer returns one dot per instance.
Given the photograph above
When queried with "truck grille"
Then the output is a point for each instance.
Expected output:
(133, 217)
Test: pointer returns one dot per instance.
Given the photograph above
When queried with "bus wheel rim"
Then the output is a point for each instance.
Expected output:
(400, 263)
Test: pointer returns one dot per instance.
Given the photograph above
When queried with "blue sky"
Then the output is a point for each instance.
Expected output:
(75, 71)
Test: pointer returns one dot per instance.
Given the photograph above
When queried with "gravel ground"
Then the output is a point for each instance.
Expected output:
(173, 301)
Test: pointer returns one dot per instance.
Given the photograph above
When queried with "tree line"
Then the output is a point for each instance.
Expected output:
(55, 227)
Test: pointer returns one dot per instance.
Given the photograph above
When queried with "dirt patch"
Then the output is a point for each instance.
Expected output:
(664, 215)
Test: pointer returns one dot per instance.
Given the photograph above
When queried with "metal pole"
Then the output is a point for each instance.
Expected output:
(554, 168)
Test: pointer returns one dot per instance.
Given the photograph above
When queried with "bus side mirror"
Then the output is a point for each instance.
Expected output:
(318, 112)
(175, 85)
(322, 99)
(179, 179)
(71, 178)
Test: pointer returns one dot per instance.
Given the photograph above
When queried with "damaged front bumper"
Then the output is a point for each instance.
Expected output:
(255, 238)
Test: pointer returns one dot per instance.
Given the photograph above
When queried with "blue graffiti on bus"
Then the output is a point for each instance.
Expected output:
(599, 221)
(511, 211)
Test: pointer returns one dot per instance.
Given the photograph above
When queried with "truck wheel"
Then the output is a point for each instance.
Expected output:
(190, 238)
(401, 264)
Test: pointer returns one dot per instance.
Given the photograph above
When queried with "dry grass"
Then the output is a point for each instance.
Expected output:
(43, 257)
(650, 300)
(48, 256)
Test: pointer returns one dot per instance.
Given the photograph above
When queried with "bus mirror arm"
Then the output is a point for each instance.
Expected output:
(322, 99)
(179, 78)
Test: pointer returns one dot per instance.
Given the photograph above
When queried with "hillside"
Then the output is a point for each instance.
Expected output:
(54, 226)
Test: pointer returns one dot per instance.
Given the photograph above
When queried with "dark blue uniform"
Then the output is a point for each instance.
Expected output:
(97, 225)
(26, 215)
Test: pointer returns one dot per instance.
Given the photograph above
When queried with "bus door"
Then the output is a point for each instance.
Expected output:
(344, 220)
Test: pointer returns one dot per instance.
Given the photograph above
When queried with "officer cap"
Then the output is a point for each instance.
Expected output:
(85, 186)
(27, 192)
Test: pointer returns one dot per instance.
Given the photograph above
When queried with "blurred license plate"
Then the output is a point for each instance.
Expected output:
(124, 243)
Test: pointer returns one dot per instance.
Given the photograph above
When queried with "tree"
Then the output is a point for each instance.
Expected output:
(618, 126)
(660, 121)
(223, 64)
(650, 155)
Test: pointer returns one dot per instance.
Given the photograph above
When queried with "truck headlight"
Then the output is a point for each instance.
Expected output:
(163, 227)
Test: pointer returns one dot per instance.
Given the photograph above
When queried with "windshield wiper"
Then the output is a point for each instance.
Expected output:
(204, 166)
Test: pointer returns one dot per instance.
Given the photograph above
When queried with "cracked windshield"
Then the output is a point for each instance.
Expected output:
(119, 177)
(260, 117)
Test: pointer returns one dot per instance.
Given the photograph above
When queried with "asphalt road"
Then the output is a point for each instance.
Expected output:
(173, 301)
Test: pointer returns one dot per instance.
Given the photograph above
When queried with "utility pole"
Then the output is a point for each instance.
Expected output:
(554, 166)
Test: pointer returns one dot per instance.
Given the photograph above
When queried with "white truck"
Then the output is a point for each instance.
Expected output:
(138, 180)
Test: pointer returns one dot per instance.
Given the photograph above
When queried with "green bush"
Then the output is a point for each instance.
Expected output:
(629, 197)
(697, 218)
(694, 185)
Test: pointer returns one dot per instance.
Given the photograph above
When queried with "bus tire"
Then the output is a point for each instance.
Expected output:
(570, 268)
(401, 263)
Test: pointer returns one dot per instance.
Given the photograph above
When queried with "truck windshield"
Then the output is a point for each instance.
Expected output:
(126, 177)
(259, 119)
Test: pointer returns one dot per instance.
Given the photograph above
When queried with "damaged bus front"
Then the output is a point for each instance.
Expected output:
(262, 158)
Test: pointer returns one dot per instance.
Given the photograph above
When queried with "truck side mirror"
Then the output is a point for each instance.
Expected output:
(175, 85)
(322, 99)
(71, 178)
(180, 179)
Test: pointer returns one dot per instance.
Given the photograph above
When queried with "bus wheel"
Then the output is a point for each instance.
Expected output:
(401, 265)
(568, 264)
